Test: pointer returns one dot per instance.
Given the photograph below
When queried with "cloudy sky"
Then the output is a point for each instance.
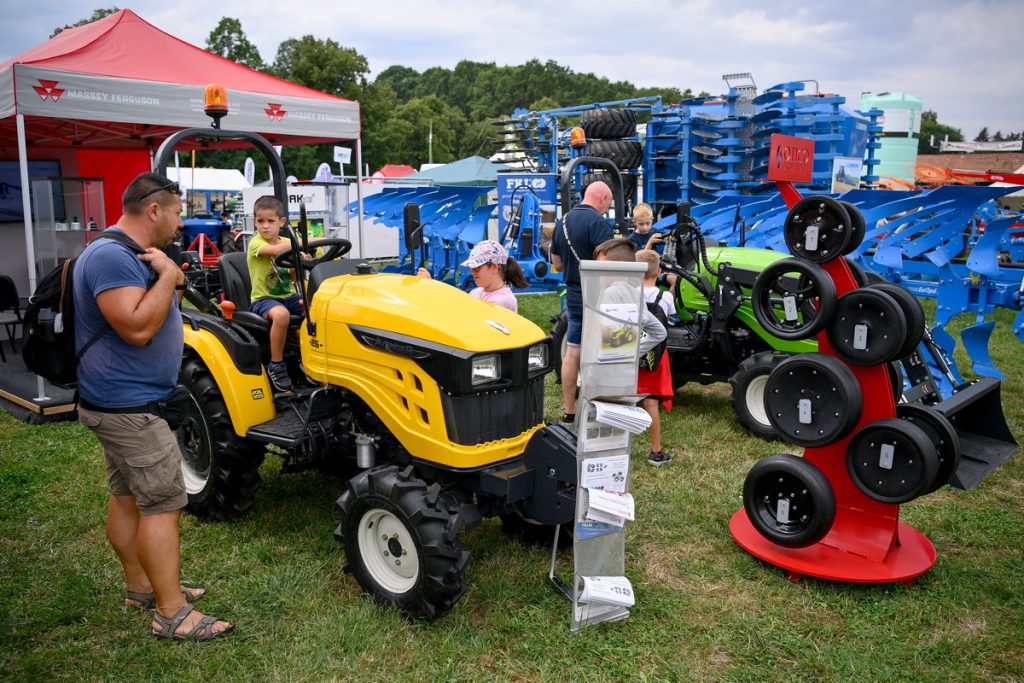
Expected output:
(960, 57)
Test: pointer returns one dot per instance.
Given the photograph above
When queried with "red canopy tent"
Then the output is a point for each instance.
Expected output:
(120, 83)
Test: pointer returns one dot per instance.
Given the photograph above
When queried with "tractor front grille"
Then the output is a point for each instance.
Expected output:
(473, 419)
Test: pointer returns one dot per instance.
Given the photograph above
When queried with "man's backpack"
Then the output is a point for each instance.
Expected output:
(652, 358)
(49, 345)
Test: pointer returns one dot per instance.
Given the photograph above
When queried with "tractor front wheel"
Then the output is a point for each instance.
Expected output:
(221, 469)
(748, 384)
(402, 542)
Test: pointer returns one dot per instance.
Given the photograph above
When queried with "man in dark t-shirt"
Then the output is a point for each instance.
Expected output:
(576, 234)
(129, 337)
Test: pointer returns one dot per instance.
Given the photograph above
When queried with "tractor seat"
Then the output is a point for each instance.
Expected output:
(234, 279)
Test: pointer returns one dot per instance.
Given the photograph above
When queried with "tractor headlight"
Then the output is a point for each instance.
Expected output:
(486, 369)
(538, 357)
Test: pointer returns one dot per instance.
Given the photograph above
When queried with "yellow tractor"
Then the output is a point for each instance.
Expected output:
(427, 399)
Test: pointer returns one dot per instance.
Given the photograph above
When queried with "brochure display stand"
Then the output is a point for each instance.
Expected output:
(606, 419)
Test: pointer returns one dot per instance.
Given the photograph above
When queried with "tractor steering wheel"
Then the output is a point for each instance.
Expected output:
(336, 248)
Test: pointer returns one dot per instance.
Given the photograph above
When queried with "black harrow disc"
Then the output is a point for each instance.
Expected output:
(942, 434)
(793, 298)
(911, 311)
(896, 380)
(813, 399)
(818, 228)
(892, 461)
(789, 501)
(857, 225)
(859, 275)
(869, 327)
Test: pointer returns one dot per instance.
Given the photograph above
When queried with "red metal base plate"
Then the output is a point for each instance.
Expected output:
(911, 556)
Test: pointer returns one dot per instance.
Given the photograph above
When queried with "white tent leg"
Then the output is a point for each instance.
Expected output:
(30, 245)
(359, 193)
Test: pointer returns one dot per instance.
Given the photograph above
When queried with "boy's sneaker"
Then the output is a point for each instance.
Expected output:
(279, 378)
(659, 458)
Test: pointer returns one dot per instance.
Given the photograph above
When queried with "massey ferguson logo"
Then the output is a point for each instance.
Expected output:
(48, 90)
(275, 111)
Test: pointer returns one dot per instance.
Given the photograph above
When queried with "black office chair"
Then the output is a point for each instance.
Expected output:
(10, 312)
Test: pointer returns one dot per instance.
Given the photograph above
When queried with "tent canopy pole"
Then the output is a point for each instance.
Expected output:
(30, 245)
(359, 192)
(26, 203)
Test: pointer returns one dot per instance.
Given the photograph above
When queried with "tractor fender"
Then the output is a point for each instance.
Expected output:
(248, 397)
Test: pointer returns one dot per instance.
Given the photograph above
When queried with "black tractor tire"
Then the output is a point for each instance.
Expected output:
(623, 153)
(747, 397)
(535, 535)
(608, 124)
(221, 469)
(558, 344)
(628, 183)
(392, 502)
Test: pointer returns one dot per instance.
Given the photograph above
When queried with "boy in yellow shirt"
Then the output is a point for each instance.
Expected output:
(273, 293)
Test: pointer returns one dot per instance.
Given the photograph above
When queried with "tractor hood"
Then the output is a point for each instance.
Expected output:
(748, 258)
(422, 309)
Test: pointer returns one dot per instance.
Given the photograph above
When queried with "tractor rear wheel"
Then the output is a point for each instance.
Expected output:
(401, 542)
(221, 469)
(623, 153)
(747, 398)
(608, 124)
(628, 183)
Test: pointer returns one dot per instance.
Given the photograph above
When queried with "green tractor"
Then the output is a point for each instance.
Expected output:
(427, 401)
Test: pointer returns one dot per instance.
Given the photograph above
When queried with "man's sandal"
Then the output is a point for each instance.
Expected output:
(148, 600)
(201, 632)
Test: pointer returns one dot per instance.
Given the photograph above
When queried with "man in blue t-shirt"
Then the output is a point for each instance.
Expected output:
(125, 305)
(576, 234)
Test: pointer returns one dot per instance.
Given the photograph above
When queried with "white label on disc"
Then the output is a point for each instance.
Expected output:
(860, 337)
(885, 456)
(782, 511)
(789, 304)
(811, 238)
(803, 408)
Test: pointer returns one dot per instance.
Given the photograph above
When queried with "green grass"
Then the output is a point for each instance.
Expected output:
(706, 609)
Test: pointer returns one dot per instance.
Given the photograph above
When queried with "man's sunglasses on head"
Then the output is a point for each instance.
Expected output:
(171, 187)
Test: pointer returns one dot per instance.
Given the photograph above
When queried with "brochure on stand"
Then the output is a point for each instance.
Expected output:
(609, 507)
(596, 436)
(605, 473)
(586, 530)
(620, 332)
(631, 418)
(607, 590)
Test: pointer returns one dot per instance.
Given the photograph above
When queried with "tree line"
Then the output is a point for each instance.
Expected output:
(439, 114)
(408, 116)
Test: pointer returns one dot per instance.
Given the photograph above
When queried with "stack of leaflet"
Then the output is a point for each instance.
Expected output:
(609, 507)
(631, 418)
(607, 590)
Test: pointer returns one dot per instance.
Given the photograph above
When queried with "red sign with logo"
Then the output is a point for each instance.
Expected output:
(275, 112)
(48, 90)
(791, 159)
